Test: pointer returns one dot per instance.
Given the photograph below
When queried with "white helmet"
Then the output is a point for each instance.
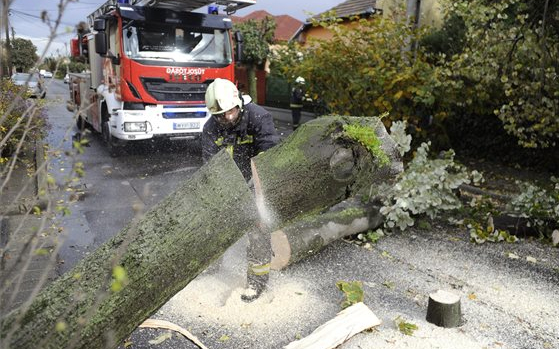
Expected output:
(222, 95)
(300, 80)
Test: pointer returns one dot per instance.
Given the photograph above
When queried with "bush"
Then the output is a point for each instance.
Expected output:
(539, 205)
(22, 120)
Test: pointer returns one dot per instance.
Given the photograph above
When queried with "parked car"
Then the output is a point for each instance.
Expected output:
(34, 83)
(47, 74)
(66, 78)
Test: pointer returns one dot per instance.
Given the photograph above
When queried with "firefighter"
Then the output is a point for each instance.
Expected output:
(296, 101)
(244, 130)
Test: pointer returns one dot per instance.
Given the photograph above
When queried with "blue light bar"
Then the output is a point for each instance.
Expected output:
(213, 10)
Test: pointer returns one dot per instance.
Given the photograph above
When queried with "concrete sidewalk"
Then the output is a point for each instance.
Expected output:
(27, 249)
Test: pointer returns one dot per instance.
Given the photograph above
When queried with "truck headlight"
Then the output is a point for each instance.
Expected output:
(135, 127)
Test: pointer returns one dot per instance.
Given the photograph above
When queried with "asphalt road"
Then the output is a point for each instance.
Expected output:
(508, 291)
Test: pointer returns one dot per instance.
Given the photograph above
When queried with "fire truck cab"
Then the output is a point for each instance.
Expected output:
(150, 66)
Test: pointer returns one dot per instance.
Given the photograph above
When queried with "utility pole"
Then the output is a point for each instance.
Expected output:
(1, 44)
(5, 15)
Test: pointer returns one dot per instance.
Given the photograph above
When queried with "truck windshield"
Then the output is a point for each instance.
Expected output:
(177, 44)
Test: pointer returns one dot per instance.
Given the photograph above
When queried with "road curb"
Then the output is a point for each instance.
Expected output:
(284, 115)
(41, 168)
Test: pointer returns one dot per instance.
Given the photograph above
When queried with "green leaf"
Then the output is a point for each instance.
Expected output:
(60, 326)
(120, 279)
(406, 328)
(353, 292)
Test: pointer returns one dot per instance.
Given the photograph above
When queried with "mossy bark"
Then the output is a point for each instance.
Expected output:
(161, 253)
(318, 166)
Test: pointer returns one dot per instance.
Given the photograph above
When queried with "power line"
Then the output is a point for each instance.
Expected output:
(20, 13)
(56, 11)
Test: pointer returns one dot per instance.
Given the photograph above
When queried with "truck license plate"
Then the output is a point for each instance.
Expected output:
(185, 125)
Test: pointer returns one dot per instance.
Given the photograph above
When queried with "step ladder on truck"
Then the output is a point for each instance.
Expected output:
(150, 62)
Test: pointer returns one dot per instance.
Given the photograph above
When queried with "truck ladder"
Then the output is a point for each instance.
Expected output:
(179, 5)
(188, 5)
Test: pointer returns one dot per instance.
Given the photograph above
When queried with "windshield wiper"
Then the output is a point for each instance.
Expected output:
(160, 58)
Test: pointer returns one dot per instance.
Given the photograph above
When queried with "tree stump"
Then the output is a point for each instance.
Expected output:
(444, 309)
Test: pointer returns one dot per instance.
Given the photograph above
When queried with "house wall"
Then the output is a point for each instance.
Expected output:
(319, 32)
(430, 13)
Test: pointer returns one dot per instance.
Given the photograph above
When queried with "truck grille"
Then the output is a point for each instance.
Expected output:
(162, 90)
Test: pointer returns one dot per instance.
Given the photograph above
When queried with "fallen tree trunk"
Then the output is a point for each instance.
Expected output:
(160, 254)
(112, 291)
(311, 234)
(326, 161)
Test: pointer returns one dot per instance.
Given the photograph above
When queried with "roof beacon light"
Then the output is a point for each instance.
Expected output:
(213, 10)
(124, 2)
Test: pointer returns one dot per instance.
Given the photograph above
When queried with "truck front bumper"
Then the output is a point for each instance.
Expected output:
(170, 122)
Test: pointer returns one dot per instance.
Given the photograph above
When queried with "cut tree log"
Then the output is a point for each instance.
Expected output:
(113, 290)
(345, 325)
(444, 310)
(160, 253)
(311, 234)
(321, 165)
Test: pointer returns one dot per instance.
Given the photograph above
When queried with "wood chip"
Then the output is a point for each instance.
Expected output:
(156, 323)
(345, 325)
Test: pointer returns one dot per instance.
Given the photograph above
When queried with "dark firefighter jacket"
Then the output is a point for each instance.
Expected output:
(254, 133)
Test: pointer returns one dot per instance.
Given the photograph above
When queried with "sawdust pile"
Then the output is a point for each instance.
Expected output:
(214, 300)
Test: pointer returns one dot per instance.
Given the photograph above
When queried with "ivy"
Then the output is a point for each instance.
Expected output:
(539, 205)
(426, 187)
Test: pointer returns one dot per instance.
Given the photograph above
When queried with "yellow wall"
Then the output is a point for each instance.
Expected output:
(320, 32)
(316, 33)
(430, 12)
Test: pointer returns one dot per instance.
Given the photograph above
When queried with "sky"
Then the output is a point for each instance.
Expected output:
(25, 18)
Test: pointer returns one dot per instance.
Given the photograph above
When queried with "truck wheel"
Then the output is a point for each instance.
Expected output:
(80, 123)
(110, 141)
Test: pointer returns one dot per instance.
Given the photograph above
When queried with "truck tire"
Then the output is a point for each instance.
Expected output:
(80, 123)
(111, 142)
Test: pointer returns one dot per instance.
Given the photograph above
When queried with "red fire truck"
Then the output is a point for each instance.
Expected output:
(149, 65)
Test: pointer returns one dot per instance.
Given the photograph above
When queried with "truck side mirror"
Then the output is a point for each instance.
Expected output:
(99, 25)
(239, 46)
(101, 43)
